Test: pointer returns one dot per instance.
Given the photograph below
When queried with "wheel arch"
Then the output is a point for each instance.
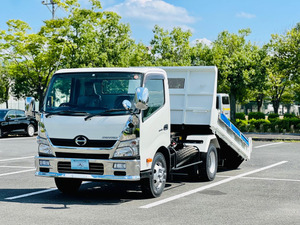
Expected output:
(166, 154)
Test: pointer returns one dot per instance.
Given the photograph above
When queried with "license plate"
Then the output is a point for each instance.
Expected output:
(80, 164)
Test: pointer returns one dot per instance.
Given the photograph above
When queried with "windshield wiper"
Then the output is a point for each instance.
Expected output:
(106, 112)
(65, 112)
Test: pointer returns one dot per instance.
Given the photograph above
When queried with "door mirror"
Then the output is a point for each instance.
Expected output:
(30, 106)
(141, 98)
(126, 104)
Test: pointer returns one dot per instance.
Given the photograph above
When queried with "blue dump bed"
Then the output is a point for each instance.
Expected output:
(234, 129)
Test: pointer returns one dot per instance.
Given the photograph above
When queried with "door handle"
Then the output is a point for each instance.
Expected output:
(166, 127)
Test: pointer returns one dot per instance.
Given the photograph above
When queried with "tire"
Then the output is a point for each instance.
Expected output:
(67, 185)
(185, 155)
(2, 135)
(30, 130)
(209, 166)
(153, 187)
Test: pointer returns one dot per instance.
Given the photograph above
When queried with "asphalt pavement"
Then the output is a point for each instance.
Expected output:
(264, 190)
(273, 136)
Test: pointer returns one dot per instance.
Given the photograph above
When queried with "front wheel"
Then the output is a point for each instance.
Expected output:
(154, 186)
(67, 185)
(30, 130)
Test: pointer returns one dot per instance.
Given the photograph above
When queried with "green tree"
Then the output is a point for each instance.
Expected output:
(258, 80)
(32, 59)
(140, 55)
(85, 38)
(201, 55)
(4, 84)
(235, 59)
(171, 48)
(284, 69)
(90, 37)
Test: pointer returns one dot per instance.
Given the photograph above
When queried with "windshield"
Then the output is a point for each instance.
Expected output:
(91, 93)
(2, 114)
(225, 100)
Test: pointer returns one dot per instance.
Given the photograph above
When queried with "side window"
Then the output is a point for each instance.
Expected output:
(11, 114)
(61, 92)
(156, 97)
(20, 114)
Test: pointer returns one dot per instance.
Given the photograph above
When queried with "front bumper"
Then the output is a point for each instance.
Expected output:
(99, 169)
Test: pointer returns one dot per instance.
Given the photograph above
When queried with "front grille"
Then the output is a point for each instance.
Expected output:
(90, 143)
(94, 168)
(81, 155)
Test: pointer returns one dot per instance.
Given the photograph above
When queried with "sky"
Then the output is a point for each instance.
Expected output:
(204, 18)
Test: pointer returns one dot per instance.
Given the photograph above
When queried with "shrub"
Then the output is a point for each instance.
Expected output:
(273, 116)
(242, 125)
(290, 115)
(260, 124)
(256, 115)
(240, 116)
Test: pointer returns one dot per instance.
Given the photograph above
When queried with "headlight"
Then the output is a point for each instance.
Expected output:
(42, 130)
(45, 149)
(127, 149)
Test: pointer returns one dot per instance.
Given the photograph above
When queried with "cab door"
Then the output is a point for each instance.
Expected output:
(11, 121)
(155, 124)
(21, 121)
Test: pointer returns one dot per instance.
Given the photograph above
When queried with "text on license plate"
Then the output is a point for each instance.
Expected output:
(80, 164)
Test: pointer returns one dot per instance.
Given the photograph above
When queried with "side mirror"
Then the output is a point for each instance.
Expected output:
(141, 98)
(126, 104)
(30, 106)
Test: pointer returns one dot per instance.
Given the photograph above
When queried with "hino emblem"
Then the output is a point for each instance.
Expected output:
(81, 140)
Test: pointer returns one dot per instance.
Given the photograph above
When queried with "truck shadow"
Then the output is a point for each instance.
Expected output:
(91, 193)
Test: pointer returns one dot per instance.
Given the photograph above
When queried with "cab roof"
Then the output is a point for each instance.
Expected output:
(113, 69)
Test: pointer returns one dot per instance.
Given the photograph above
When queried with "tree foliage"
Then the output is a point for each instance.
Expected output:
(171, 48)
(284, 69)
(235, 59)
(91, 37)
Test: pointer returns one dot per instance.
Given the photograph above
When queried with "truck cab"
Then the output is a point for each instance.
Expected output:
(223, 104)
(86, 133)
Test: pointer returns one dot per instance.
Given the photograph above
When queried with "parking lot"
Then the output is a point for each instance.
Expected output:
(264, 190)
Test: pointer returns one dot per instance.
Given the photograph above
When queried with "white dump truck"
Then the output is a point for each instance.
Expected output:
(134, 124)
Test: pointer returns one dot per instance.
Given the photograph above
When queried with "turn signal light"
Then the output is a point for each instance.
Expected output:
(149, 160)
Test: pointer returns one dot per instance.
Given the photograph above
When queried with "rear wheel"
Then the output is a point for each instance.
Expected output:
(30, 130)
(209, 166)
(185, 155)
(154, 186)
(67, 185)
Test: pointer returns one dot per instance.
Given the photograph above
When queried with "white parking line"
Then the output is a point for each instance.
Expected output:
(11, 173)
(261, 146)
(19, 167)
(264, 178)
(13, 159)
(30, 194)
(38, 192)
(208, 186)
(16, 138)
